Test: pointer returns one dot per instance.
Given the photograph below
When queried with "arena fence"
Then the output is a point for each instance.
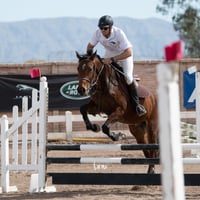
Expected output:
(39, 161)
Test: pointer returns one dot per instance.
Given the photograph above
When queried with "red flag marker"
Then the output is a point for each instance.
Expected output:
(35, 73)
(174, 51)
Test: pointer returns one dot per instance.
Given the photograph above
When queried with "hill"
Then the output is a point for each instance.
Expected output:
(57, 39)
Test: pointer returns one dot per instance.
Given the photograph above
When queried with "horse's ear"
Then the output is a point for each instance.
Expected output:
(78, 55)
(93, 55)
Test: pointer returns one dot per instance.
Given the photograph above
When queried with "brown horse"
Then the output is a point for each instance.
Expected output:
(109, 95)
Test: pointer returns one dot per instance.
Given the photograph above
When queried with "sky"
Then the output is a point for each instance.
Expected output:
(19, 10)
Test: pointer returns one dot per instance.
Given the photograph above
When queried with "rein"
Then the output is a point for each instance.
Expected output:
(116, 69)
(98, 75)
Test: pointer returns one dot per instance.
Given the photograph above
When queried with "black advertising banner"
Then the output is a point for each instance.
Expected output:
(63, 93)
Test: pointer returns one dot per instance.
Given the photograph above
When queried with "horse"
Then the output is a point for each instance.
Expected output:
(109, 95)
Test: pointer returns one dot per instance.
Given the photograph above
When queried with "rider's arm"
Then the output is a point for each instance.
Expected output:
(125, 54)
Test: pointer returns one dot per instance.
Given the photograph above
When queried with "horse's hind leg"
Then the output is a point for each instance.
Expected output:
(152, 133)
(141, 134)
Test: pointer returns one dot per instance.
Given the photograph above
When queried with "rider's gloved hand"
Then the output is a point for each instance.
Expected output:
(107, 61)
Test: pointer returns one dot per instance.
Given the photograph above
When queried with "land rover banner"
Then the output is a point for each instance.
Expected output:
(63, 93)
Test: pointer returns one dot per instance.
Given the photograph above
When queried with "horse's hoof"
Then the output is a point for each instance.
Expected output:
(118, 136)
(96, 128)
(151, 171)
(115, 137)
(93, 127)
(122, 136)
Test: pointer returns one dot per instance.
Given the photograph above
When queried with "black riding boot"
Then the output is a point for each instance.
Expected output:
(140, 110)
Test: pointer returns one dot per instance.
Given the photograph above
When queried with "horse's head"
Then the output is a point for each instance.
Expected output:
(86, 73)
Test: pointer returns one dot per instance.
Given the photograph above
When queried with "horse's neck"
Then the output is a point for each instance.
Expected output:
(107, 79)
(115, 81)
(107, 75)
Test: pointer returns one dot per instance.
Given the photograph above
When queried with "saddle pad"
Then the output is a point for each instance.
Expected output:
(142, 91)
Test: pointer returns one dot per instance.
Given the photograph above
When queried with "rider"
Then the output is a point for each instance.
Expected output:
(117, 49)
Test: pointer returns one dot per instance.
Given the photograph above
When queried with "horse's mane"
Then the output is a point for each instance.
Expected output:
(117, 69)
(118, 73)
(120, 78)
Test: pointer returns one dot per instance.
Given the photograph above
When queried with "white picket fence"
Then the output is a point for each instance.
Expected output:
(9, 136)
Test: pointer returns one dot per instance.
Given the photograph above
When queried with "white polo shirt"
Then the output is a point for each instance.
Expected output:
(115, 44)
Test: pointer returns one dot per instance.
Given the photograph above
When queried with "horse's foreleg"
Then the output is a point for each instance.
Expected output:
(89, 125)
(112, 135)
(114, 117)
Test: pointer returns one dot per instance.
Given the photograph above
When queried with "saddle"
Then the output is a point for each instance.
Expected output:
(142, 91)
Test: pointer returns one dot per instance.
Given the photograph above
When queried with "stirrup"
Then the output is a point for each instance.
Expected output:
(140, 110)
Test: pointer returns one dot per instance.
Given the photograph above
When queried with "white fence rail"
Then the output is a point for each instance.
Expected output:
(188, 131)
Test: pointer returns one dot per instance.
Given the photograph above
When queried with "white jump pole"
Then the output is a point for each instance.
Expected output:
(170, 139)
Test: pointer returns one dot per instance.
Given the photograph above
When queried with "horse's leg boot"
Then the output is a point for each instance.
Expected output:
(140, 109)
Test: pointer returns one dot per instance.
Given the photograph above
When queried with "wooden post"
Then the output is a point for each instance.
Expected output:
(169, 125)
(42, 133)
(5, 182)
(5, 179)
(68, 124)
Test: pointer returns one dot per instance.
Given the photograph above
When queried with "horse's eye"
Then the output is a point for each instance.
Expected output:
(86, 67)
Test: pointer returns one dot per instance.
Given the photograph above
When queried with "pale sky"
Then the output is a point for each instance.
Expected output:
(18, 10)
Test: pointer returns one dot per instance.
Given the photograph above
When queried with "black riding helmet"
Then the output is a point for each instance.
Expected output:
(105, 21)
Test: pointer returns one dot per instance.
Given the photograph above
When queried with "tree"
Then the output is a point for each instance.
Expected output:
(186, 21)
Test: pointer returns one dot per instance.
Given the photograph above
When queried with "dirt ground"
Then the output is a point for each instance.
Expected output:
(95, 192)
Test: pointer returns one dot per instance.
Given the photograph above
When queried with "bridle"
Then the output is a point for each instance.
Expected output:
(95, 76)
